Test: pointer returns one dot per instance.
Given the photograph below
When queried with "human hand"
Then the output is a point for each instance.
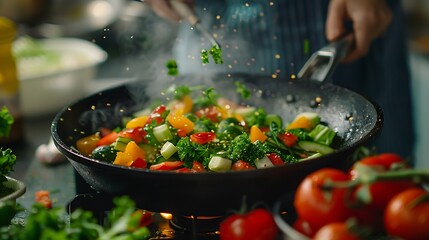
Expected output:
(370, 19)
(164, 9)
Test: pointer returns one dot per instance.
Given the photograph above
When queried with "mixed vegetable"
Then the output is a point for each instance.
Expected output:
(208, 133)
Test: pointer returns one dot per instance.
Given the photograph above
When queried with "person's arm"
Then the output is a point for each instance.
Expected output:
(370, 18)
(164, 9)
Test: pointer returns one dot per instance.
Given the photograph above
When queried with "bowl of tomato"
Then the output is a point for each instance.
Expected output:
(354, 119)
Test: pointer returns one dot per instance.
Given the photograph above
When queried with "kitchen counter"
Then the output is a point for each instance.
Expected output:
(58, 179)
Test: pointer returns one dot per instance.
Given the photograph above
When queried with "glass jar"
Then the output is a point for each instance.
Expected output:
(9, 83)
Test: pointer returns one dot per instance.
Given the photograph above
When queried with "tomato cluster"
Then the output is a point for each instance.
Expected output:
(377, 196)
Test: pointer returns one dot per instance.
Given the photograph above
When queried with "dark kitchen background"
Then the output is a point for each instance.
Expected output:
(139, 42)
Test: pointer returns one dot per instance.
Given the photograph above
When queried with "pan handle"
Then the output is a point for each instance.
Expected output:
(320, 66)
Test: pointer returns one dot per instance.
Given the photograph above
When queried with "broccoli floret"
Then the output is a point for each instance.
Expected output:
(241, 148)
(190, 151)
(257, 118)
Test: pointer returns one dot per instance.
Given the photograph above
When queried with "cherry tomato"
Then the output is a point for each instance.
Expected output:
(137, 134)
(108, 139)
(198, 167)
(257, 224)
(166, 166)
(407, 215)
(43, 198)
(288, 139)
(318, 206)
(275, 159)
(303, 227)
(335, 231)
(156, 115)
(211, 113)
(139, 163)
(203, 137)
(382, 191)
(241, 165)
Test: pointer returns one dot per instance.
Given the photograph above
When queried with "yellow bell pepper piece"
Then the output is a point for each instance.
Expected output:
(137, 122)
(301, 122)
(257, 134)
(131, 153)
(182, 106)
(181, 122)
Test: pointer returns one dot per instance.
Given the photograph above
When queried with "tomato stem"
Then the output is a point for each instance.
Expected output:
(417, 176)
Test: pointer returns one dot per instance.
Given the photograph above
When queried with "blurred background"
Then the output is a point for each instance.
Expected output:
(123, 39)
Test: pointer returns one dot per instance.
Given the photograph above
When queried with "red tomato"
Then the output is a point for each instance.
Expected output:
(381, 191)
(203, 137)
(156, 115)
(108, 139)
(139, 163)
(241, 165)
(335, 231)
(407, 215)
(211, 113)
(137, 134)
(275, 159)
(257, 224)
(181, 132)
(198, 167)
(166, 166)
(303, 227)
(318, 206)
(43, 198)
(183, 170)
(288, 139)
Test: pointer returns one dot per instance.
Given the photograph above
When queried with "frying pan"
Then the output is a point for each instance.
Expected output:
(356, 119)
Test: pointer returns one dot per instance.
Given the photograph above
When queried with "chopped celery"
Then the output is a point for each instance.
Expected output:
(263, 163)
(168, 149)
(323, 134)
(220, 164)
(315, 147)
(121, 143)
(162, 133)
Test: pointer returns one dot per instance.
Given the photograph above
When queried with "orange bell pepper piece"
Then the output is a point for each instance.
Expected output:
(257, 134)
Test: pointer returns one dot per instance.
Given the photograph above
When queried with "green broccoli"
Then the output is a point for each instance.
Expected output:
(241, 148)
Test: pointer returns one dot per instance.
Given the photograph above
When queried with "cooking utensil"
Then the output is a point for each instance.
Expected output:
(354, 117)
(189, 16)
(320, 66)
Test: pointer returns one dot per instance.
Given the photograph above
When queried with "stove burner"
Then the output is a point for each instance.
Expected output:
(178, 227)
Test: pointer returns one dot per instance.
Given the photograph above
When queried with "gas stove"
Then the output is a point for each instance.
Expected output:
(163, 226)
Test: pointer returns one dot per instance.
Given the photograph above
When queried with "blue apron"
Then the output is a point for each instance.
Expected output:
(276, 38)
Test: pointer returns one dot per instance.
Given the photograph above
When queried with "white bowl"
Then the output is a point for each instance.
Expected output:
(46, 88)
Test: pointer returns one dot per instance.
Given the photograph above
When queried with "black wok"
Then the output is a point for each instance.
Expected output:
(356, 119)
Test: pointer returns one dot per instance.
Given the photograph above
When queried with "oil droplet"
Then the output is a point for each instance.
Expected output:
(274, 75)
(349, 117)
(293, 76)
(277, 56)
(217, 17)
(271, 3)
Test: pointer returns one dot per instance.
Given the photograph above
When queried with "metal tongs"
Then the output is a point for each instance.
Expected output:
(186, 14)
(320, 66)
